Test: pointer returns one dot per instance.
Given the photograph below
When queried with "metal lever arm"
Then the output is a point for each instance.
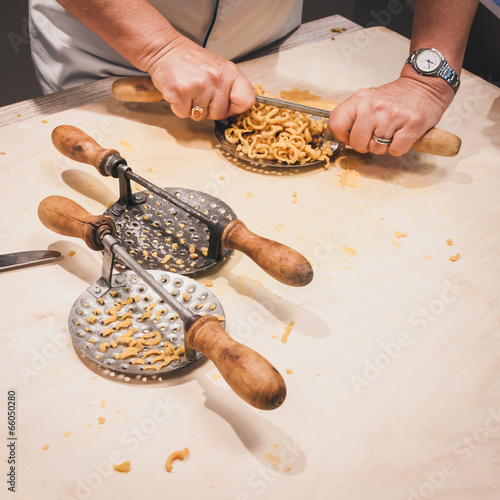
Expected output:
(66, 217)
(281, 262)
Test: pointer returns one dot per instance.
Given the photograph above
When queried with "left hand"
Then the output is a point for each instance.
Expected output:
(402, 110)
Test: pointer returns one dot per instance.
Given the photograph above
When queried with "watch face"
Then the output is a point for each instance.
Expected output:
(428, 61)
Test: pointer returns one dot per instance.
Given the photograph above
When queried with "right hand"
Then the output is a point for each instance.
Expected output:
(189, 75)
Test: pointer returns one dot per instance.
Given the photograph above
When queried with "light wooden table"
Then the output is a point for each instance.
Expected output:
(395, 359)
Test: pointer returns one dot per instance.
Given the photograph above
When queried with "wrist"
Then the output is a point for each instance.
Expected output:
(436, 87)
(154, 46)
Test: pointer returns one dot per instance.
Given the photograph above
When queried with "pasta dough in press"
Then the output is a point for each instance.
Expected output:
(270, 133)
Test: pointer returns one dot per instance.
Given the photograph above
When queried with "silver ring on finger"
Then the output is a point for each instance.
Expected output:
(380, 140)
(197, 112)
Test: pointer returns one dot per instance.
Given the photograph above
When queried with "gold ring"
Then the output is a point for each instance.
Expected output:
(197, 112)
(379, 140)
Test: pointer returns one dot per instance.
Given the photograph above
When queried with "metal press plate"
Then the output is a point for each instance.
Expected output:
(159, 235)
(91, 312)
(221, 126)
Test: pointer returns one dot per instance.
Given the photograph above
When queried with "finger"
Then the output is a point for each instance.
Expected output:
(219, 105)
(341, 121)
(361, 133)
(203, 100)
(180, 105)
(403, 140)
(383, 131)
(241, 96)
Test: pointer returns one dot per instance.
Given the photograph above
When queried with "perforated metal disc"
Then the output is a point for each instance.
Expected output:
(92, 324)
(159, 235)
(220, 128)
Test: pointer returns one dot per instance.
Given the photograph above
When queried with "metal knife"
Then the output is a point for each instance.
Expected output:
(19, 259)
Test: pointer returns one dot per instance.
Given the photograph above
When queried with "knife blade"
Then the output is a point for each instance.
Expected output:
(19, 259)
(301, 108)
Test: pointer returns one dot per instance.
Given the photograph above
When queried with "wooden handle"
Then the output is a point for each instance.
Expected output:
(136, 89)
(438, 142)
(79, 146)
(281, 262)
(250, 375)
(66, 217)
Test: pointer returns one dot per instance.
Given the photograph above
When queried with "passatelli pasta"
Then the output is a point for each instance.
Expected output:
(268, 133)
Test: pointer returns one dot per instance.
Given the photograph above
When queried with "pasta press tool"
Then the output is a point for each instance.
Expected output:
(141, 89)
(178, 229)
(164, 320)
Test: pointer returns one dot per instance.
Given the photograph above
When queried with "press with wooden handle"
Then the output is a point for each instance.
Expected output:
(138, 322)
(178, 229)
(141, 89)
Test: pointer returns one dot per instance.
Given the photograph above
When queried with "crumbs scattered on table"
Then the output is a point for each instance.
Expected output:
(249, 195)
(176, 455)
(400, 235)
(101, 420)
(208, 283)
(66, 434)
(215, 376)
(289, 371)
(454, 258)
(286, 333)
(123, 467)
(428, 256)
(71, 253)
(45, 447)
(44, 121)
(449, 242)
(2, 153)
(395, 243)
(102, 404)
(338, 30)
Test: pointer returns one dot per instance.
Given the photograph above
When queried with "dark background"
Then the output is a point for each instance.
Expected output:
(18, 80)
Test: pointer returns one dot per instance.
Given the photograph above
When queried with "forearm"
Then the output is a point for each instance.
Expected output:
(134, 28)
(444, 25)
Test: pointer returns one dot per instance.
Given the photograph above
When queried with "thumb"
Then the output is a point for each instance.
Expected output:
(241, 96)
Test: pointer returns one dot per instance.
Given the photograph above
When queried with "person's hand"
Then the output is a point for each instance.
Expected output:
(402, 110)
(189, 76)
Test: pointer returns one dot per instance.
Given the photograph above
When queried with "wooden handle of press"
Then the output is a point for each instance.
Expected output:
(79, 146)
(250, 375)
(66, 217)
(438, 142)
(136, 89)
(281, 262)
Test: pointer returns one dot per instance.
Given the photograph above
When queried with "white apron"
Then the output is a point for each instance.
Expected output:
(66, 53)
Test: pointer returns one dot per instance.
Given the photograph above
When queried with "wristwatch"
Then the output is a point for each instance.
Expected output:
(430, 62)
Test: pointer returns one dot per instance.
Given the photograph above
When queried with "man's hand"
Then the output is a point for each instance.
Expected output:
(402, 110)
(189, 75)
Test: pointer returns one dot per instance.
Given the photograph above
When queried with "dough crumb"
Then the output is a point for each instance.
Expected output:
(249, 195)
(101, 420)
(66, 434)
(286, 333)
(454, 258)
(349, 251)
(71, 253)
(176, 455)
(449, 242)
(215, 376)
(208, 283)
(400, 235)
(124, 467)
(289, 371)
(45, 447)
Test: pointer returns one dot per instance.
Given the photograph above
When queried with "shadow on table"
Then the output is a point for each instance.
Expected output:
(269, 444)
(89, 185)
